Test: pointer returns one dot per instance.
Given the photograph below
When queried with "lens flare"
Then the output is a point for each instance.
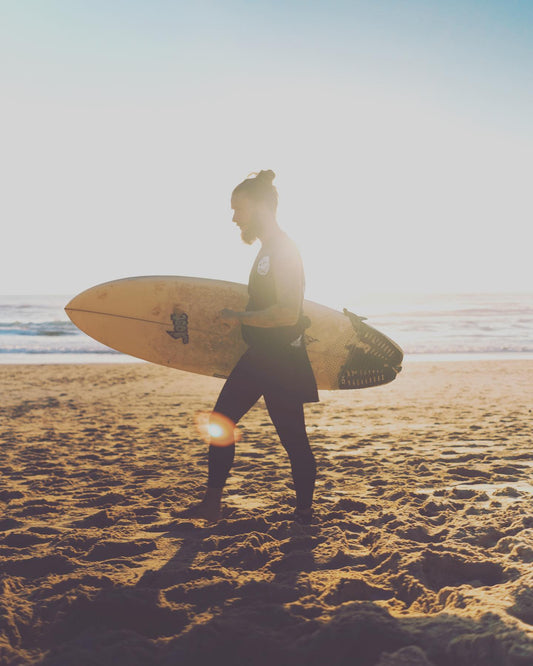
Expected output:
(216, 429)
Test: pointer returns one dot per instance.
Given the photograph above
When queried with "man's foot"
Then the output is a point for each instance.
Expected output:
(303, 516)
(202, 511)
(208, 509)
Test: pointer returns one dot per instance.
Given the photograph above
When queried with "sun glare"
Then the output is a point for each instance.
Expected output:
(216, 429)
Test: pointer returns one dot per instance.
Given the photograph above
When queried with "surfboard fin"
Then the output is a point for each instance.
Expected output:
(353, 317)
(373, 345)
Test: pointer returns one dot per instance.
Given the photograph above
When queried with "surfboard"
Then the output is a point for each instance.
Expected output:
(175, 321)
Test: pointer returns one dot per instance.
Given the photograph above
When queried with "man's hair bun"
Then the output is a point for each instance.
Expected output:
(259, 186)
(267, 176)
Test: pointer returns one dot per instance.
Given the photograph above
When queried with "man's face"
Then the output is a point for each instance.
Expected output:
(246, 217)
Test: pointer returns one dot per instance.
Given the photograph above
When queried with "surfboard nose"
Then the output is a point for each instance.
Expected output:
(73, 306)
(85, 301)
(69, 305)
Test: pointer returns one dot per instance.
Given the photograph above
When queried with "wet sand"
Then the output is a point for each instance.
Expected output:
(422, 552)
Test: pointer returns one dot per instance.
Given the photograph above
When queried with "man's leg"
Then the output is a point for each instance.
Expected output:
(239, 394)
(237, 397)
(288, 417)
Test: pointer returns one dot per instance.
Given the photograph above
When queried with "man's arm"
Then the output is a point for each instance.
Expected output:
(275, 315)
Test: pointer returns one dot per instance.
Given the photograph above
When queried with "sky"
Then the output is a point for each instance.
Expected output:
(400, 131)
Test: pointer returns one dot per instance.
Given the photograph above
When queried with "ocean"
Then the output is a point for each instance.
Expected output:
(35, 329)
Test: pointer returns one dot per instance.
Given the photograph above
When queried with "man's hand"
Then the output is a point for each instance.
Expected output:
(229, 319)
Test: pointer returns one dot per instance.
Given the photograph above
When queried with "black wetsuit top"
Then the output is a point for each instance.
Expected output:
(262, 293)
(280, 349)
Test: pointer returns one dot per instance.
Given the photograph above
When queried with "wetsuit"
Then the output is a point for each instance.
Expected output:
(275, 366)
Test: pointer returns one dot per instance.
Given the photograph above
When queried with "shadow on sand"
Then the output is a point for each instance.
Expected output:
(258, 591)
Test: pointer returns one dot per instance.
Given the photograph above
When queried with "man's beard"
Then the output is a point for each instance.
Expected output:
(250, 234)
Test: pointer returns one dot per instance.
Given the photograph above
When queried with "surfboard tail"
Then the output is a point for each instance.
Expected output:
(375, 343)
(373, 358)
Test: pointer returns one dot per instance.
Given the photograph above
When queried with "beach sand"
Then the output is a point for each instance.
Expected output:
(422, 552)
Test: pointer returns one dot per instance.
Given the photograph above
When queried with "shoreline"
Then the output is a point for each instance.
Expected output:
(421, 552)
(107, 358)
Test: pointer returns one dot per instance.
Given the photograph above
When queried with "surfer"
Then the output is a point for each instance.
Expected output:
(275, 365)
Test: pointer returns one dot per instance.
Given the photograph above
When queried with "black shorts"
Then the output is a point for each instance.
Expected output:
(285, 371)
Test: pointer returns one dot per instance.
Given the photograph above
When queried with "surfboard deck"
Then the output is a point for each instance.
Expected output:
(175, 321)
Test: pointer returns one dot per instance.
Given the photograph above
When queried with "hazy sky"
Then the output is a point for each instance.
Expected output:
(401, 133)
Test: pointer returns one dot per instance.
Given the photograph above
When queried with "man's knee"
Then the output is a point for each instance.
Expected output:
(221, 430)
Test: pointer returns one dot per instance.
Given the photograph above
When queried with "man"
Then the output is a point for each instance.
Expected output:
(276, 365)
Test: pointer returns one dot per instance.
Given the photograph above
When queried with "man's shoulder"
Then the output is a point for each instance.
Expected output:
(286, 260)
(286, 247)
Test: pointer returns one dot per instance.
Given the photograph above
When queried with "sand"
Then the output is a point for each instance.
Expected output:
(422, 552)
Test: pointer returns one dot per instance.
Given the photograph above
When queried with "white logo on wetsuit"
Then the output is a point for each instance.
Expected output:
(263, 266)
